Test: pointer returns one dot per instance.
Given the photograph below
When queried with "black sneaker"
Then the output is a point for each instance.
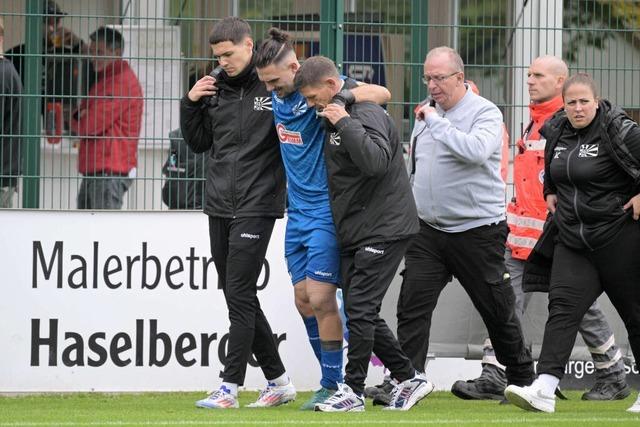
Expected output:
(382, 399)
(489, 385)
(608, 391)
(386, 387)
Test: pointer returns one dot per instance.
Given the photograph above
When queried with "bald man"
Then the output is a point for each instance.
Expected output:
(526, 215)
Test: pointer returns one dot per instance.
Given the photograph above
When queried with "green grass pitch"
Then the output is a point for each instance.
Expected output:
(177, 409)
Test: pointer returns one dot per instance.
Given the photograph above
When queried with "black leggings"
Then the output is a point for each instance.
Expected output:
(577, 279)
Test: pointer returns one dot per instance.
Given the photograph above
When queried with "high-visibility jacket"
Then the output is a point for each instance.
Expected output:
(527, 211)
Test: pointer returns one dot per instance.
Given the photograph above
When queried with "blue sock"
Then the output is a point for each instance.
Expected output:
(314, 336)
(331, 364)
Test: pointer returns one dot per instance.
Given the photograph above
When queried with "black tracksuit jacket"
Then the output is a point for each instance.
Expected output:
(371, 199)
(245, 176)
(593, 171)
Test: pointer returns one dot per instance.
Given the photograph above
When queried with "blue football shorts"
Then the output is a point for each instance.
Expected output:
(311, 248)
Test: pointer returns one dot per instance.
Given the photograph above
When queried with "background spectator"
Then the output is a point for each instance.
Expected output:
(108, 123)
(64, 72)
(10, 159)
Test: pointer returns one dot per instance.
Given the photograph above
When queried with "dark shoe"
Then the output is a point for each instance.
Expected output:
(386, 387)
(560, 395)
(608, 391)
(318, 397)
(489, 385)
(382, 398)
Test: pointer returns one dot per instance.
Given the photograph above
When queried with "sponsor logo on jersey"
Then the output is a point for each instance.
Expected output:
(588, 150)
(262, 103)
(373, 250)
(250, 236)
(334, 138)
(541, 176)
(288, 136)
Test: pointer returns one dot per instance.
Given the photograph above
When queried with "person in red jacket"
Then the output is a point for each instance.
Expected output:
(108, 124)
(525, 215)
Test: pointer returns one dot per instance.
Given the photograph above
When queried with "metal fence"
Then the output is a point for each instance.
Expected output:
(376, 41)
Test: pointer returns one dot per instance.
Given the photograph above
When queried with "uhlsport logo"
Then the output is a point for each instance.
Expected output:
(288, 136)
(334, 138)
(250, 236)
(262, 103)
(557, 151)
(374, 250)
(323, 273)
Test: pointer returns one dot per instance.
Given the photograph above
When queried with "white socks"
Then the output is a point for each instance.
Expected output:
(230, 388)
(547, 383)
(281, 380)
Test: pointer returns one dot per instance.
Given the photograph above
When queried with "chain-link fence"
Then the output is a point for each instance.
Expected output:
(57, 131)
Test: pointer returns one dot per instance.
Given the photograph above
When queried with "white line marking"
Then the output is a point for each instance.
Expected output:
(542, 419)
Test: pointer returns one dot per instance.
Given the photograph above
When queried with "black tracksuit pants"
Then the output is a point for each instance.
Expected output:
(577, 279)
(367, 273)
(476, 258)
(238, 247)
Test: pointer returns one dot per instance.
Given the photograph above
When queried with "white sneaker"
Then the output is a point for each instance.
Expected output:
(343, 400)
(275, 395)
(219, 399)
(409, 392)
(635, 408)
(530, 398)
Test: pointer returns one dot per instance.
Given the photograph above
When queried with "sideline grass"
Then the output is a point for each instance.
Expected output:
(177, 409)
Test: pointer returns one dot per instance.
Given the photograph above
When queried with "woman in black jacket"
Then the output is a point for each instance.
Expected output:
(592, 189)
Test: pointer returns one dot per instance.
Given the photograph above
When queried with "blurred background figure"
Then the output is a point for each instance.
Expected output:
(108, 124)
(10, 91)
(65, 73)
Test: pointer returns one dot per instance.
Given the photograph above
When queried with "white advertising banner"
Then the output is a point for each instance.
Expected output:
(128, 301)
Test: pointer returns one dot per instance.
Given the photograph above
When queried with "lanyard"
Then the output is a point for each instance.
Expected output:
(525, 134)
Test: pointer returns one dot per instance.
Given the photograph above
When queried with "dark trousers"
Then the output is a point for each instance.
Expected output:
(238, 247)
(476, 258)
(103, 191)
(577, 279)
(366, 275)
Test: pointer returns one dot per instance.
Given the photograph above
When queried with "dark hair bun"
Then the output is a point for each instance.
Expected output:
(278, 35)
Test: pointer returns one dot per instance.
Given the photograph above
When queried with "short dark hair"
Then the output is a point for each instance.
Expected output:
(274, 48)
(52, 10)
(231, 29)
(314, 70)
(583, 79)
(110, 36)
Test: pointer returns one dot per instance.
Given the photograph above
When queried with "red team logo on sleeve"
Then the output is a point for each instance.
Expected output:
(287, 136)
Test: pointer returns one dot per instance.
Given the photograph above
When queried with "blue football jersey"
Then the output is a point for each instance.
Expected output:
(301, 136)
